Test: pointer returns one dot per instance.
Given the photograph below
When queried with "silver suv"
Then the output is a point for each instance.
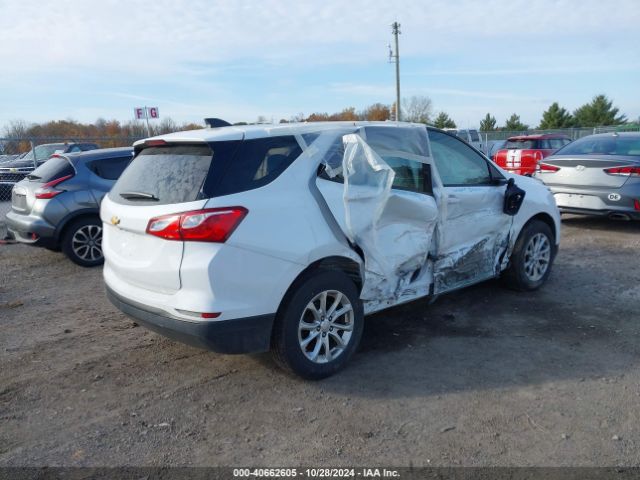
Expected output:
(57, 205)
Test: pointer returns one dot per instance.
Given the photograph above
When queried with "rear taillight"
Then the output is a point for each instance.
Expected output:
(545, 167)
(625, 171)
(208, 225)
(636, 204)
(48, 191)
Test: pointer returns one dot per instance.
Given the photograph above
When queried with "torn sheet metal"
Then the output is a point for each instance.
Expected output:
(393, 228)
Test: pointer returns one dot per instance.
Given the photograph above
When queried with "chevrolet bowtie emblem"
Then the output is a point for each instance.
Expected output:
(115, 220)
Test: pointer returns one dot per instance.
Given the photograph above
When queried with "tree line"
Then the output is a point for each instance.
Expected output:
(598, 112)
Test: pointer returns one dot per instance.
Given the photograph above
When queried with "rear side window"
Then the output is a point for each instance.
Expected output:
(256, 163)
(53, 169)
(109, 168)
(164, 175)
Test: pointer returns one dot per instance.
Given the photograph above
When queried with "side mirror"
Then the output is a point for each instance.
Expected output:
(513, 198)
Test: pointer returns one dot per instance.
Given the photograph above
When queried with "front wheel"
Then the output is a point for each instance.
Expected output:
(318, 330)
(82, 242)
(532, 257)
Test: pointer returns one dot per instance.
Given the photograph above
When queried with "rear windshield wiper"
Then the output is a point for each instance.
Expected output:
(139, 196)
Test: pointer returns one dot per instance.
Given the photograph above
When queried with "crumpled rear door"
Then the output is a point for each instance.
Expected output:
(394, 227)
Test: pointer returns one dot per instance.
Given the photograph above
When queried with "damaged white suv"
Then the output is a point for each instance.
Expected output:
(245, 239)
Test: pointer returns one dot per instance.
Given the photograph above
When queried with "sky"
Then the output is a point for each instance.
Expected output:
(240, 59)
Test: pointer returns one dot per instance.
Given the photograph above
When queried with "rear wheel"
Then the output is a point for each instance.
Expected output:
(319, 329)
(532, 257)
(82, 242)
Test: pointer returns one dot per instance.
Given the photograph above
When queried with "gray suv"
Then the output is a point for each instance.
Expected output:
(57, 205)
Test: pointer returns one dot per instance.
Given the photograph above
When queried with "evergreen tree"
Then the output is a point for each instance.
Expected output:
(444, 121)
(599, 112)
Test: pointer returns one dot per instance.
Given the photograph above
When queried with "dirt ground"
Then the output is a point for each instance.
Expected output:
(484, 376)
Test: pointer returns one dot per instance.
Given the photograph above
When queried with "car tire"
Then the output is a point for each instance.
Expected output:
(82, 242)
(532, 258)
(304, 329)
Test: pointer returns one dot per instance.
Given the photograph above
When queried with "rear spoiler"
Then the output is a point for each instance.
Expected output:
(216, 123)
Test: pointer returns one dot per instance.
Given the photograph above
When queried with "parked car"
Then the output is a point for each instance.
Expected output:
(57, 205)
(471, 136)
(596, 175)
(250, 238)
(493, 146)
(521, 154)
(15, 170)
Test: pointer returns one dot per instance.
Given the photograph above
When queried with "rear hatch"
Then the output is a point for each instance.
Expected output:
(585, 170)
(161, 180)
(44, 182)
(520, 156)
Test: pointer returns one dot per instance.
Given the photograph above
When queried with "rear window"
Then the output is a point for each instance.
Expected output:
(164, 175)
(521, 144)
(474, 135)
(185, 173)
(607, 145)
(52, 169)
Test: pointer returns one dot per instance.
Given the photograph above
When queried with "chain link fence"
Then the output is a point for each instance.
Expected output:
(20, 156)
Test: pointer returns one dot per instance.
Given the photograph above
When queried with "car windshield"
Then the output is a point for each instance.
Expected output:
(44, 151)
(607, 145)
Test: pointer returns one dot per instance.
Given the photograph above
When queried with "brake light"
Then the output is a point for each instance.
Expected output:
(626, 171)
(154, 143)
(208, 225)
(545, 167)
(636, 204)
(48, 191)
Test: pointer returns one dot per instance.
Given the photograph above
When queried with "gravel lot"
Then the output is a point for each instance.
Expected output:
(484, 376)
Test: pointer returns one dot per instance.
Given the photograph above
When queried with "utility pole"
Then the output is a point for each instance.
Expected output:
(395, 29)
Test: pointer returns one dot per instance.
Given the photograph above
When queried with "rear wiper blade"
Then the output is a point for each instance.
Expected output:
(139, 196)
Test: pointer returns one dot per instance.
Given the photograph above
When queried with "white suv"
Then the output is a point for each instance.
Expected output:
(255, 238)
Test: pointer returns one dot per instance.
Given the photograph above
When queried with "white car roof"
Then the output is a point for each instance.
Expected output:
(237, 132)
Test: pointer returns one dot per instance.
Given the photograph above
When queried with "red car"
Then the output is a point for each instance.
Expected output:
(522, 154)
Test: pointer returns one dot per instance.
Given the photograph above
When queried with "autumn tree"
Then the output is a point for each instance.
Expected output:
(416, 109)
(598, 112)
(488, 123)
(514, 124)
(443, 120)
(318, 117)
(555, 117)
(376, 112)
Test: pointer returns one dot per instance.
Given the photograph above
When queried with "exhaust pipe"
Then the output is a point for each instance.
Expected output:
(619, 216)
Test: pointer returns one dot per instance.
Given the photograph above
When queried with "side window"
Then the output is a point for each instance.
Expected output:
(74, 148)
(257, 163)
(474, 135)
(110, 168)
(391, 143)
(458, 164)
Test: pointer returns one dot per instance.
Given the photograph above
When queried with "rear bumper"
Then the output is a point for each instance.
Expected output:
(597, 201)
(240, 335)
(23, 226)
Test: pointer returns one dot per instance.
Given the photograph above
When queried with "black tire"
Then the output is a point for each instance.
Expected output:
(73, 232)
(286, 339)
(515, 276)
